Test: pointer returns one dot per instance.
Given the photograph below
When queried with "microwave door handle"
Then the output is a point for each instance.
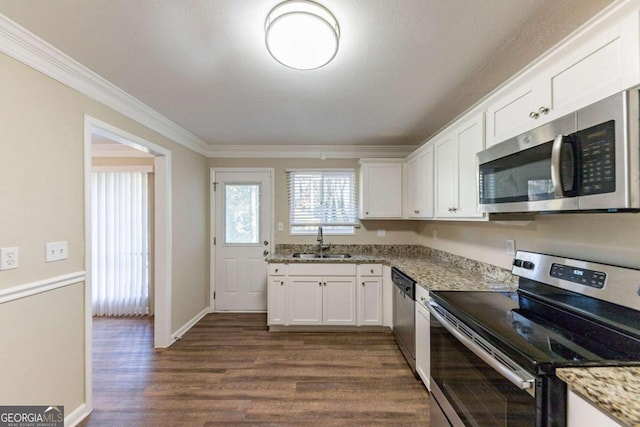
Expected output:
(556, 164)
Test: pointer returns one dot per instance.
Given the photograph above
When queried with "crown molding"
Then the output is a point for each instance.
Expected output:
(24, 46)
(309, 151)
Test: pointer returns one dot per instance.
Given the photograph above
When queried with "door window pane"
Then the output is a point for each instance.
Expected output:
(242, 213)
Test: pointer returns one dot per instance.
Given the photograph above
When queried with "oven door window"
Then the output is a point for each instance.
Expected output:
(480, 395)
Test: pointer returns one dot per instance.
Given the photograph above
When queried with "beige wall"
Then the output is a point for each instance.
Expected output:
(42, 349)
(608, 238)
(41, 200)
(397, 232)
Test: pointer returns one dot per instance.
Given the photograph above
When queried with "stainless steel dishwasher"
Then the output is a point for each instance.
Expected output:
(404, 315)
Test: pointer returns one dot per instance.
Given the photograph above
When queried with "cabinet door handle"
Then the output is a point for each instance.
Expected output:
(276, 270)
(534, 115)
(362, 283)
(325, 284)
(372, 271)
(281, 283)
(319, 283)
(366, 213)
(543, 110)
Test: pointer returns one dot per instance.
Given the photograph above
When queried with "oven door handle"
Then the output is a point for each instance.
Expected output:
(525, 384)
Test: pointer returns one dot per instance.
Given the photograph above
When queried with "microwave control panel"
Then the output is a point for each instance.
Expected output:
(598, 166)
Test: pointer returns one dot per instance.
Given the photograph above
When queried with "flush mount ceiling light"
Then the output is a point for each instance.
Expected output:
(302, 34)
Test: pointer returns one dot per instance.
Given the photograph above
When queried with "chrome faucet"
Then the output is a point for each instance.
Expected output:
(320, 240)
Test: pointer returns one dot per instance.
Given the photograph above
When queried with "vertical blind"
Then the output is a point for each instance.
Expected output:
(322, 198)
(120, 244)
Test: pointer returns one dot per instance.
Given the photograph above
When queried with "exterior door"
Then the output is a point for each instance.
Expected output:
(242, 239)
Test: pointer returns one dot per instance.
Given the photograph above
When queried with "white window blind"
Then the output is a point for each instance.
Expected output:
(120, 244)
(324, 198)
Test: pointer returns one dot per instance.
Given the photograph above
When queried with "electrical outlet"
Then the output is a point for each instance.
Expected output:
(56, 251)
(9, 258)
(511, 247)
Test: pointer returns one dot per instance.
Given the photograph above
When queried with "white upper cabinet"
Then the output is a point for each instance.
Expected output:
(455, 170)
(420, 184)
(516, 112)
(380, 189)
(599, 63)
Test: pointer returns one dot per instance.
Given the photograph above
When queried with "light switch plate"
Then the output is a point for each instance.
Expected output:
(382, 233)
(56, 251)
(9, 258)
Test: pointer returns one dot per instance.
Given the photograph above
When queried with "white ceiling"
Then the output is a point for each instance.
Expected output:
(405, 68)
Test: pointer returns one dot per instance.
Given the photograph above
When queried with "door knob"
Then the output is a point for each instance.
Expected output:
(266, 242)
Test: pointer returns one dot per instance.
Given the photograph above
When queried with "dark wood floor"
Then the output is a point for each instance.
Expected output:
(229, 369)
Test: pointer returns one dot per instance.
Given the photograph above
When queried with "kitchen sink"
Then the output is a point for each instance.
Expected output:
(318, 256)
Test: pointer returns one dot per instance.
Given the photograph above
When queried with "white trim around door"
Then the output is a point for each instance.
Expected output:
(212, 210)
(162, 241)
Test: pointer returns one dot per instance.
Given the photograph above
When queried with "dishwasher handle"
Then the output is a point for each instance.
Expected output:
(520, 378)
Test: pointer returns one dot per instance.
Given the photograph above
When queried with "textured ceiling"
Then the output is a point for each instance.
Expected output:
(405, 68)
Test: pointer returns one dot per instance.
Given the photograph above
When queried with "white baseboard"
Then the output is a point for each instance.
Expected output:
(183, 330)
(77, 415)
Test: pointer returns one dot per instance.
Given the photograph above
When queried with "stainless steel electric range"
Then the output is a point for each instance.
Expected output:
(494, 354)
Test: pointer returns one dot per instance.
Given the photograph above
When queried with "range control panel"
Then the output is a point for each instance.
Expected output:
(595, 279)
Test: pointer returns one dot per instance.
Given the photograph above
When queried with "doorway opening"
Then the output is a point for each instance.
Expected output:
(114, 151)
(121, 229)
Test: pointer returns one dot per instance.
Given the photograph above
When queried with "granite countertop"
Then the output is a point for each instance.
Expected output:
(613, 390)
(432, 269)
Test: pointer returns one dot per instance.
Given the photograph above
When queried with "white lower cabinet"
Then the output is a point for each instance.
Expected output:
(277, 295)
(317, 300)
(339, 301)
(325, 294)
(369, 295)
(422, 336)
(304, 301)
(321, 294)
(581, 413)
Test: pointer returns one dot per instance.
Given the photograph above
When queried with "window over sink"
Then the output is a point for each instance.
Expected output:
(322, 197)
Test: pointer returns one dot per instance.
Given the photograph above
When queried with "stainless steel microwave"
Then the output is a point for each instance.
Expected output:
(585, 161)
